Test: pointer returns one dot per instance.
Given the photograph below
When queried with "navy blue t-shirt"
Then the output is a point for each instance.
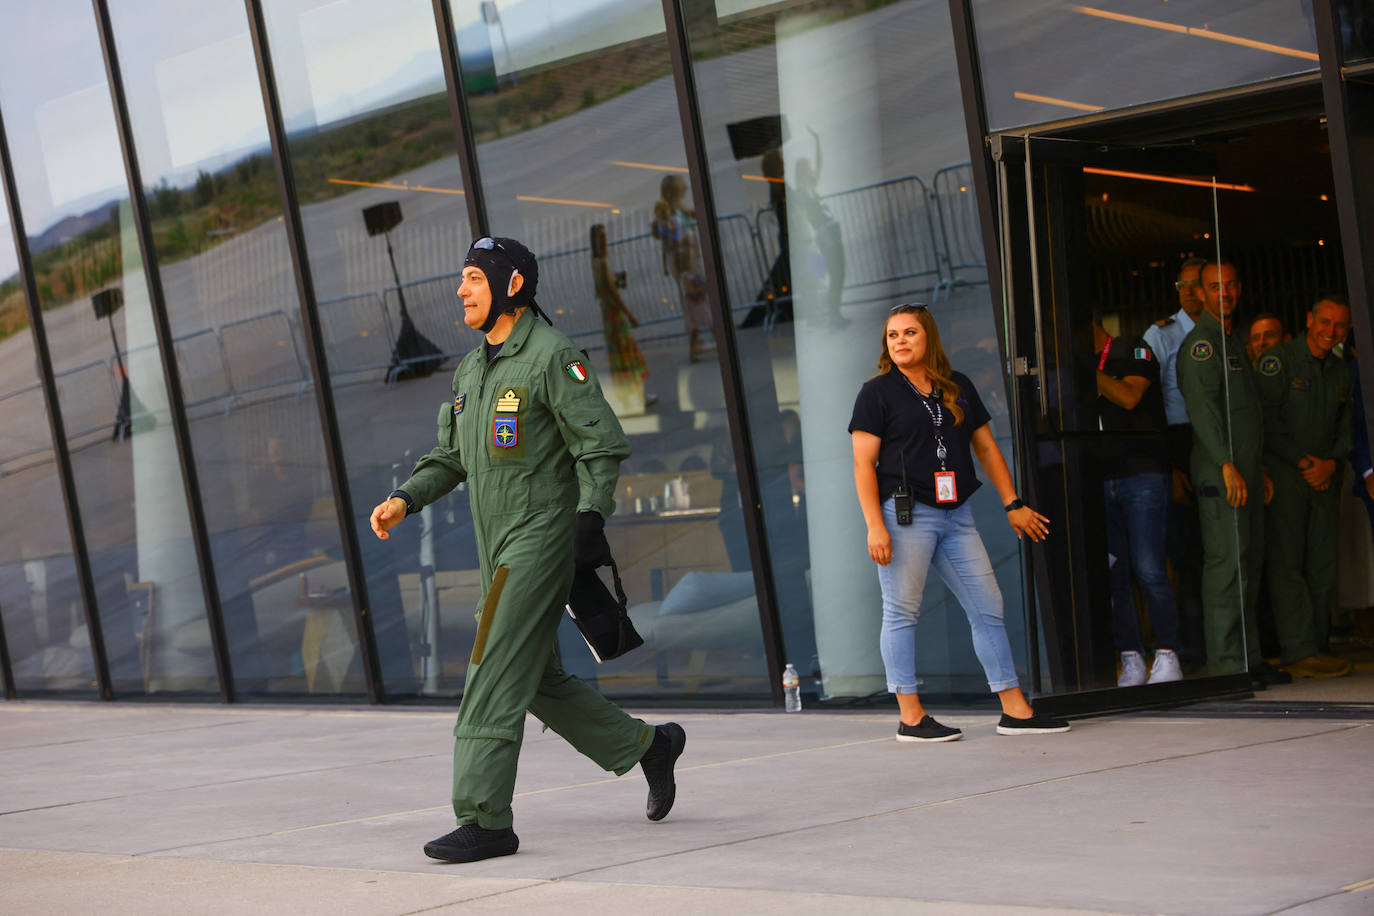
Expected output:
(889, 408)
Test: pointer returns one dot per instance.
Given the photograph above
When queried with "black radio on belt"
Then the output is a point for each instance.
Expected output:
(901, 499)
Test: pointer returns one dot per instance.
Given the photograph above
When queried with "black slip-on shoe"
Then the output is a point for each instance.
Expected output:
(657, 764)
(927, 731)
(470, 843)
(1037, 724)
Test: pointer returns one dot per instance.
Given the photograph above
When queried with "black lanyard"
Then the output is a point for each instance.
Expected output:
(937, 416)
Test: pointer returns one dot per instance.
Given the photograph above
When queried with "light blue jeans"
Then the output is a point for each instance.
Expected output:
(946, 540)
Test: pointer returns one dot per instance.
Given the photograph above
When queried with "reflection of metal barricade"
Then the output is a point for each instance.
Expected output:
(200, 361)
(259, 353)
(746, 265)
(358, 336)
(888, 232)
(89, 397)
(956, 208)
(18, 406)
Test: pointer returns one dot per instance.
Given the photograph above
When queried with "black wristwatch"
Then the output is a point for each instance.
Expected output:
(1014, 505)
(403, 495)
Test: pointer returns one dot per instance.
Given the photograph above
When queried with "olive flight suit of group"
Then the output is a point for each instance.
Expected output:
(1307, 412)
(536, 442)
(1224, 409)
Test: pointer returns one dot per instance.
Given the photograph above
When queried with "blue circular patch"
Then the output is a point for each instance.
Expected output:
(1201, 350)
(1270, 364)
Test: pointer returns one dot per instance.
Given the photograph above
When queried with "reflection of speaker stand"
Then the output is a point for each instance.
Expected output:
(413, 355)
(106, 303)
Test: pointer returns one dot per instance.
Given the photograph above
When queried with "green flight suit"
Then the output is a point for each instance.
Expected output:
(1224, 409)
(1307, 412)
(536, 442)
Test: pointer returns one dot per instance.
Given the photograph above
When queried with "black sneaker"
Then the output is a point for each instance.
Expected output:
(927, 730)
(1269, 675)
(470, 842)
(1037, 724)
(657, 764)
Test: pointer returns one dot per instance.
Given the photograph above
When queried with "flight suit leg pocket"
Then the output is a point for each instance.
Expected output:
(498, 583)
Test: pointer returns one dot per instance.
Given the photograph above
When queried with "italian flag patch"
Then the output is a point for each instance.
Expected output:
(1144, 353)
(576, 371)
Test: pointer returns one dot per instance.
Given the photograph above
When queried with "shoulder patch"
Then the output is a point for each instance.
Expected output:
(1164, 322)
(1269, 364)
(1144, 353)
(1202, 350)
(576, 371)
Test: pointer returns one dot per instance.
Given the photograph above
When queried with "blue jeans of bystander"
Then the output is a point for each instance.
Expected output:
(1137, 510)
(946, 540)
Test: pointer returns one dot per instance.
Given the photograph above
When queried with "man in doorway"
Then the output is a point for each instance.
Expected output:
(1135, 490)
(1307, 396)
(530, 432)
(1266, 332)
(1223, 403)
(1164, 338)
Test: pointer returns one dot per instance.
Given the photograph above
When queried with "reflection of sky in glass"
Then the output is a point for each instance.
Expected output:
(533, 32)
(398, 44)
(80, 148)
(211, 102)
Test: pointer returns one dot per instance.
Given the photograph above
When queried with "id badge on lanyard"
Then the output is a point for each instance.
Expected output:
(945, 490)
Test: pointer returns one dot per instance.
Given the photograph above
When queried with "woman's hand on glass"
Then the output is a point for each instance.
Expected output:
(880, 545)
(1027, 521)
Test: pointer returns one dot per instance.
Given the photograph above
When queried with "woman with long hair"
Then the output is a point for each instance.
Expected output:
(916, 428)
(628, 369)
(675, 226)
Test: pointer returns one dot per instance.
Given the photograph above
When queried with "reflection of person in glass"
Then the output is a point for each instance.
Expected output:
(825, 230)
(628, 370)
(916, 428)
(675, 226)
(529, 430)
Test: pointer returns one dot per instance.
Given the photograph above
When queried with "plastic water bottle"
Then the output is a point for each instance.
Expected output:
(791, 689)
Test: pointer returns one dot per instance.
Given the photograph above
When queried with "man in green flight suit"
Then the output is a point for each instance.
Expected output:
(530, 432)
(1307, 439)
(1218, 388)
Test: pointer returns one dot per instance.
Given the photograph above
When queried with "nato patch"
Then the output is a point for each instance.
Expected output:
(576, 371)
(1201, 351)
(1269, 364)
(459, 403)
(504, 432)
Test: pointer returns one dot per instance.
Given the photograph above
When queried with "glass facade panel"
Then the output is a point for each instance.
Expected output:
(386, 226)
(1046, 60)
(579, 144)
(41, 607)
(98, 318)
(843, 191)
(201, 135)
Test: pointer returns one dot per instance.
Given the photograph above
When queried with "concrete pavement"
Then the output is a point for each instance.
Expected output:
(175, 808)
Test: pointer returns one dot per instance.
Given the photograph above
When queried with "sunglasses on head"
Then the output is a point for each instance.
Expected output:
(487, 243)
(914, 306)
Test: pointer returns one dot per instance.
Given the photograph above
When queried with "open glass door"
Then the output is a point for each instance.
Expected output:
(1145, 590)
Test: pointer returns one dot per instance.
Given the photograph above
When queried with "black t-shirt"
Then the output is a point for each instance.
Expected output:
(890, 408)
(1125, 456)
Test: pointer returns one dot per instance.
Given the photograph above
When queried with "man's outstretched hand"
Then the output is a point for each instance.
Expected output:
(590, 548)
(388, 515)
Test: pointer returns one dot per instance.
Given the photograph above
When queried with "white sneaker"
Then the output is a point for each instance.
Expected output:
(1132, 670)
(1165, 668)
